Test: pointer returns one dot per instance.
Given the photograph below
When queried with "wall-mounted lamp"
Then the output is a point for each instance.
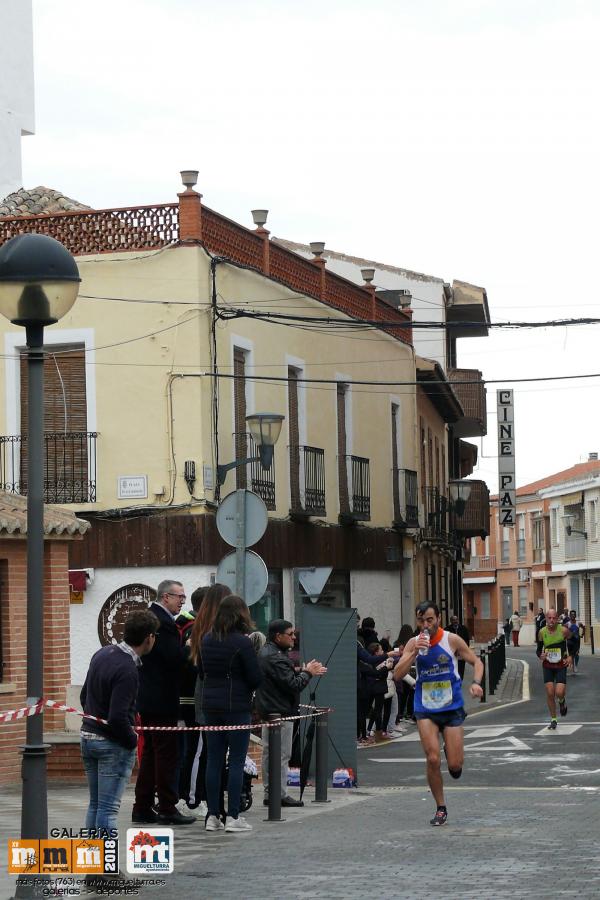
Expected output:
(569, 519)
(265, 429)
(460, 491)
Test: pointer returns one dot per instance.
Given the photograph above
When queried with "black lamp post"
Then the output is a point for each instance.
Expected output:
(39, 282)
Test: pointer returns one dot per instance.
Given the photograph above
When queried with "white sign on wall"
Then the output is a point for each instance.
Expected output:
(507, 484)
(132, 487)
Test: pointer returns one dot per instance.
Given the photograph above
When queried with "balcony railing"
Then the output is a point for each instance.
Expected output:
(481, 564)
(257, 479)
(357, 508)
(307, 480)
(473, 519)
(468, 386)
(69, 466)
(406, 498)
(436, 516)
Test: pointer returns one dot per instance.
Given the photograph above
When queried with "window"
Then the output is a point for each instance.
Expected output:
(537, 529)
(239, 414)
(505, 546)
(592, 526)
(342, 432)
(554, 527)
(520, 537)
(485, 605)
(523, 599)
(270, 605)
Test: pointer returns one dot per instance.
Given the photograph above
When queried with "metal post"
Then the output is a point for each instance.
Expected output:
(34, 804)
(240, 543)
(321, 758)
(482, 655)
(274, 769)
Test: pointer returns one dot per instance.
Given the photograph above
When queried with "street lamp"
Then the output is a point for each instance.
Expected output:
(39, 282)
(569, 519)
(265, 429)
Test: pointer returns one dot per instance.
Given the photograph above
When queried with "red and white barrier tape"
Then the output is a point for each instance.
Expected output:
(38, 707)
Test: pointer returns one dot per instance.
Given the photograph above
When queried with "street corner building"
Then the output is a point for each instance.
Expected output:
(186, 323)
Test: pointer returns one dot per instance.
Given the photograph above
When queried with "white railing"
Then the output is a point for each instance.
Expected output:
(480, 562)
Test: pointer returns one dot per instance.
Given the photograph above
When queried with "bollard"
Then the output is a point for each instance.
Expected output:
(274, 770)
(492, 655)
(321, 758)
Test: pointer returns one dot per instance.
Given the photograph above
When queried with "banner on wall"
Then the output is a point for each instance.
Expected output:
(507, 484)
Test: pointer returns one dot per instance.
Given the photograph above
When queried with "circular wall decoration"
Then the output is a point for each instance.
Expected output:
(111, 619)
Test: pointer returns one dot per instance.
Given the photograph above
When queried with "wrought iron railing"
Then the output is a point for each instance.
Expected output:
(406, 498)
(69, 466)
(436, 515)
(358, 507)
(259, 480)
(307, 470)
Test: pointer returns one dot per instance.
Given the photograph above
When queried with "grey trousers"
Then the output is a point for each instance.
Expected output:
(287, 730)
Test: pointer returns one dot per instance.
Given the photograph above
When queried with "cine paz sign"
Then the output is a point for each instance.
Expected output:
(507, 484)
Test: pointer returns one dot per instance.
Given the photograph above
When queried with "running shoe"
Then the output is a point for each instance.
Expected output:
(238, 824)
(563, 708)
(552, 725)
(439, 818)
(213, 823)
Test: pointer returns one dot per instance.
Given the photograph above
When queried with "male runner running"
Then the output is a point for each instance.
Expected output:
(553, 652)
(438, 696)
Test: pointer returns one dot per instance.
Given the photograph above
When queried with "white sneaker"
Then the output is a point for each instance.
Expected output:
(213, 823)
(199, 812)
(201, 809)
(238, 824)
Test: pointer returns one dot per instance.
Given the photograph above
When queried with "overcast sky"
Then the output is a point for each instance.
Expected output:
(460, 139)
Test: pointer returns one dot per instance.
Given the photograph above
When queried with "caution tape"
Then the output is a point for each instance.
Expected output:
(38, 707)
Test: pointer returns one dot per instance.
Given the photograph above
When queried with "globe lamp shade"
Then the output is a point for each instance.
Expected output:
(39, 280)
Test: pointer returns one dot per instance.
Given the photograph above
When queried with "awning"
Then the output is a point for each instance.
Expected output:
(575, 499)
(483, 579)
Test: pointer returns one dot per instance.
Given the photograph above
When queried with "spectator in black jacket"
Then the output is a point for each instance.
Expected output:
(110, 692)
(279, 692)
(158, 704)
(229, 674)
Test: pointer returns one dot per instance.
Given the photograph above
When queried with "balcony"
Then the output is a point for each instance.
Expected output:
(69, 466)
(406, 498)
(435, 506)
(481, 564)
(355, 502)
(468, 386)
(307, 481)
(474, 518)
(253, 476)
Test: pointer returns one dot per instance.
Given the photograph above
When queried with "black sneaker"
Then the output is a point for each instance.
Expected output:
(552, 725)
(439, 818)
(563, 708)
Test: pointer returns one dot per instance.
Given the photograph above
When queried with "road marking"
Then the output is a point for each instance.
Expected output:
(486, 731)
(562, 729)
(505, 743)
(397, 759)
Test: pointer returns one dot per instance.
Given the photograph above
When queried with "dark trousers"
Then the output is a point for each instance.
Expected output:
(218, 742)
(157, 767)
(362, 711)
(380, 714)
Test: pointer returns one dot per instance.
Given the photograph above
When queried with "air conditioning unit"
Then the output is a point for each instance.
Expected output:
(523, 575)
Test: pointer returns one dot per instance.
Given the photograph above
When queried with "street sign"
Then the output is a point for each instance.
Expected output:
(256, 518)
(256, 575)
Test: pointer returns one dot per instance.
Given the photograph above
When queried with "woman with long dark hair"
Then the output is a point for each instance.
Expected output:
(206, 616)
(229, 674)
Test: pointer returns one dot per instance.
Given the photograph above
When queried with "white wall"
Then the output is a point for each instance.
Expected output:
(377, 594)
(16, 89)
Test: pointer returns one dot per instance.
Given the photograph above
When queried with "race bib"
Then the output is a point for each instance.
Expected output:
(436, 694)
(554, 655)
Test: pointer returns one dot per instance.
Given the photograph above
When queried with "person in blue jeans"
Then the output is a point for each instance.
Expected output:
(110, 693)
(229, 673)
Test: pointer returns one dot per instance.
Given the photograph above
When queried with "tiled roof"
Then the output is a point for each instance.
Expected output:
(36, 201)
(13, 518)
(585, 468)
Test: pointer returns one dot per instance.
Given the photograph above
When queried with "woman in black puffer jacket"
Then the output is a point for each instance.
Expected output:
(230, 673)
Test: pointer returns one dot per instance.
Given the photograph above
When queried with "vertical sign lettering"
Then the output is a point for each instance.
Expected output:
(507, 485)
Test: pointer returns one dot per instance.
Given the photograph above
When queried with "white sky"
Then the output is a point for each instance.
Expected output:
(460, 139)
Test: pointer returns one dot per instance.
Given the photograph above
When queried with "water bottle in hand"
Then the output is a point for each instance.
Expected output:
(423, 651)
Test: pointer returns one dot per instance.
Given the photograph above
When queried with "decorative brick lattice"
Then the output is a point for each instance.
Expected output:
(348, 297)
(227, 238)
(102, 230)
(386, 313)
(294, 271)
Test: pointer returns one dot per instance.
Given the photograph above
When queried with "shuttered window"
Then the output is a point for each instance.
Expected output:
(342, 451)
(65, 425)
(294, 435)
(239, 404)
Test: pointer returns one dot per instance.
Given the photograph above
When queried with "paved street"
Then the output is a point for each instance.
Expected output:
(523, 819)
